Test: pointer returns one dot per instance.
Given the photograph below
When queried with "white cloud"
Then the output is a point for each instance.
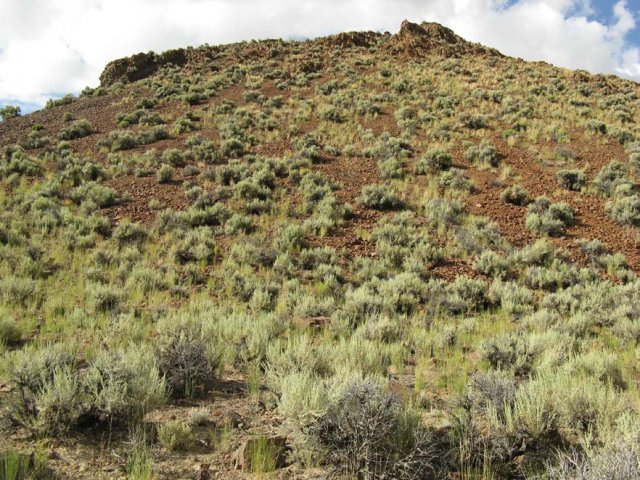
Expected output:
(49, 47)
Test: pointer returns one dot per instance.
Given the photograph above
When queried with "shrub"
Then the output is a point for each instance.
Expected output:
(58, 404)
(610, 176)
(434, 160)
(66, 100)
(571, 179)
(95, 193)
(129, 232)
(10, 332)
(625, 210)
(165, 173)
(549, 218)
(123, 385)
(492, 264)
(119, 140)
(515, 195)
(174, 157)
(303, 397)
(78, 129)
(620, 461)
(197, 245)
(46, 396)
(330, 113)
(443, 213)
(106, 298)
(455, 179)
(232, 148)
(596, 126)
(380, 197)
(9, 111)
(483, 154)
(188, 364)
(17, 289)
(473, 121)
(176, 435)
(365, 433)
(391, 168)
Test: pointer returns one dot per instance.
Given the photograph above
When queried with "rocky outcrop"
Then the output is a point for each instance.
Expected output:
(412, 40)
(432, 38)
(351, 39)
(143, 65)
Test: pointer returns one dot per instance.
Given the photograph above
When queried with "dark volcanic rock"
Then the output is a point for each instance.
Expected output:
(432, 38)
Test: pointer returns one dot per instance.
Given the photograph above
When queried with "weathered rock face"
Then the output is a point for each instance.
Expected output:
(419, 39)
(143, 65)
(352, 39)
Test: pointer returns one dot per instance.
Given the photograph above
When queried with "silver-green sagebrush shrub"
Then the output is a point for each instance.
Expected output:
(176, 435)
(433, 160)
(124, 384)
(380, 197)
(549, 218)
(571, 179)
(625, 210)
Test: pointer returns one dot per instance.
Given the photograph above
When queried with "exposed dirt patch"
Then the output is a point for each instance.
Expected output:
(142, 190)
(592, 218)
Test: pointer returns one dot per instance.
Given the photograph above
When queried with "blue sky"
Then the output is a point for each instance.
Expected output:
(52, 47)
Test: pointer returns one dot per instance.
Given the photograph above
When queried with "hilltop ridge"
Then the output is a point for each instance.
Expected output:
(413, 39)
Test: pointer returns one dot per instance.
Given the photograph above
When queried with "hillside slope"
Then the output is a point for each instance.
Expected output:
(384, 256)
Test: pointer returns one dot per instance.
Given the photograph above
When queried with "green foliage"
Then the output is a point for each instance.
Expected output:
(515, 194)
(129, 232)
(571, 179)
(433, 160)
(176, 435)
(165, 173)
(78, 129)
(9, 111)
(610, 177)
(483, 154)
(380, 197)
(625, 210)
(548, 218)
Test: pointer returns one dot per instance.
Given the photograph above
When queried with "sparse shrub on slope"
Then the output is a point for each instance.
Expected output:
(78, 129)
(625, 210)
(433, 160)
(483, 154)
(571, 179)
(609, 177)
(123, 385)
(549, 218)
(380, 197)
(515, 194)
(9, 111)
(188, 364)
(365, 433)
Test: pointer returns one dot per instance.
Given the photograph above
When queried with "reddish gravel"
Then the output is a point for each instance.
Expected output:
(142, 190)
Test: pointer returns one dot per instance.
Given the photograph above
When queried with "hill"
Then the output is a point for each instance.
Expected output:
(373, 255)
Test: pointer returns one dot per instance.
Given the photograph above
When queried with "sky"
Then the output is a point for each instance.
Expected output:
(52, 47)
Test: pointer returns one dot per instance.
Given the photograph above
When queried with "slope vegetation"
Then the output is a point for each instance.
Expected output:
(367, 255)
